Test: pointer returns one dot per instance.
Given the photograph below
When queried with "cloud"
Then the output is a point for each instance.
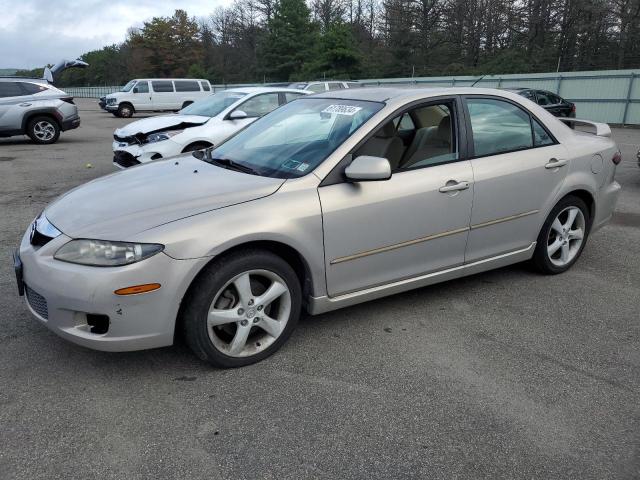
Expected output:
(36, 32)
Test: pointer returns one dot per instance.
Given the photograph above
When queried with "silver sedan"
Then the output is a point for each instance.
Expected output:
(326, 202)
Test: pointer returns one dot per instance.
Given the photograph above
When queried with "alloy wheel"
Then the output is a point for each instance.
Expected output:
(44, 131)
(249, 313)
(566, 236)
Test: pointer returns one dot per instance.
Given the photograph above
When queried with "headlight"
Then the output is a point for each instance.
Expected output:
(160, 136)
(111, 101)
(102, 253)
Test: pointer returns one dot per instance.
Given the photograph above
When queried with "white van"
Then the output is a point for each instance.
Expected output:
(156, 94)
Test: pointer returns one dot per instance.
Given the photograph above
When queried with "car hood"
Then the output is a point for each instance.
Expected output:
(120, 205)
(157, 124)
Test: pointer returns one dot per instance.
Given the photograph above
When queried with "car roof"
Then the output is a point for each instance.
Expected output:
(249, 90)
(24, 79)
(401, 94)
(166, 79)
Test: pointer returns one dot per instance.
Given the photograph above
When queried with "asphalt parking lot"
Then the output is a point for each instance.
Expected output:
(507, 374)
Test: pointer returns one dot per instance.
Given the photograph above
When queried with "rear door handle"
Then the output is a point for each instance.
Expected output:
(555, 163)
(24, 104)
(453, 186)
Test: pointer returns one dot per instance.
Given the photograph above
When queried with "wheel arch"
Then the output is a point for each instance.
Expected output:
(41, 112)
(126, 102)
(288, 253)
(587, 197)
(195, 142)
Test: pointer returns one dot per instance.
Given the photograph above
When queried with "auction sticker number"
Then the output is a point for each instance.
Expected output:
(342, 109)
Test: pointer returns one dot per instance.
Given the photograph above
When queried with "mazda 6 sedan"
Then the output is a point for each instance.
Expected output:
(326, 202)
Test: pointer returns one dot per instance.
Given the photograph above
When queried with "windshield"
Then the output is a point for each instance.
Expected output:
(298, 86)
(212, 105)
(128, 86)
(294, 139)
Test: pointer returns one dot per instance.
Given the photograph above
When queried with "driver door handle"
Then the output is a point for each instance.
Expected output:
(24, 104)
(453, 186)
(555, 163)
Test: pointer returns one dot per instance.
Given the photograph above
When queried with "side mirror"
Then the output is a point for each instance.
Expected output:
(237, 115)
(135, 89)
(366, 169)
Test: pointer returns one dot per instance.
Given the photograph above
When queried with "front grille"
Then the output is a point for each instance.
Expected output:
(125, 159)
(37, 302)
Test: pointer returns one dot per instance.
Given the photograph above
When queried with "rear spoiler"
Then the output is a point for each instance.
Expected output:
(602, 129)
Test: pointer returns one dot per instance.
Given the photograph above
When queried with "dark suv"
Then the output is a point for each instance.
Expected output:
(551, 102)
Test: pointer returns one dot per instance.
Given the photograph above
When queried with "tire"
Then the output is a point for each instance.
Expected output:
(196, 146)
(239, 315)
(557, 248)
(43, 130)
(125, 110)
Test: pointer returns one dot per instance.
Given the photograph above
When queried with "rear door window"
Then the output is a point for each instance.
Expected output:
(186, 86)
(544, 98)
(335, 86)
(162, 86)
(498, 126)
(10, 89)
(260, 105)
(317, 87)
(288, 96)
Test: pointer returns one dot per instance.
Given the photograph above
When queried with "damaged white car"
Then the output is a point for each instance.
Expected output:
(205, 123)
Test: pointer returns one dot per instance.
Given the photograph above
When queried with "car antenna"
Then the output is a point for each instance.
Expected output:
(474, 83)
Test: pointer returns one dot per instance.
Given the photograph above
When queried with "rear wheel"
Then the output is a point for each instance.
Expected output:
(563, 236)
(242, 309)
(125, 110)
(43, 130)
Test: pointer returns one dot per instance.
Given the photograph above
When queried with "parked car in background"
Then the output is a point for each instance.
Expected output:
(156, 94)
(204, 123)
(551, 102)
(329, 201)
(34, 107)
(324, 86)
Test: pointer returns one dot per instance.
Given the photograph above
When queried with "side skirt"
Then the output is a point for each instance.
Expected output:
(324, 304)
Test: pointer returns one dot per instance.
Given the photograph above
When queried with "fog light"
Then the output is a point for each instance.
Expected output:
(99, 323)
(136, 289)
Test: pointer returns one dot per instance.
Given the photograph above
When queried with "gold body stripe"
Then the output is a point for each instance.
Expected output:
(415, 241)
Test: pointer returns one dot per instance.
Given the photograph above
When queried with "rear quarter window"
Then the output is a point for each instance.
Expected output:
(186, 86)
(10, 89)
(205, 86)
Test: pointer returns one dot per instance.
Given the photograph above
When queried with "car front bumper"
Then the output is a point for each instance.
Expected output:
(133, 154)
(61, 295)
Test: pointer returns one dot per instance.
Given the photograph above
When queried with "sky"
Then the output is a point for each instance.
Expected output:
(36, 32)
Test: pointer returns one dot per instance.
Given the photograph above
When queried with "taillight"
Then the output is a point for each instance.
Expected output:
(573, 108)
(68, 100)
(617, 158)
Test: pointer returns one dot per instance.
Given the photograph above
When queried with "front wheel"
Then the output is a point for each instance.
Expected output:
(125, 110)
(242, 309)
(563, 236)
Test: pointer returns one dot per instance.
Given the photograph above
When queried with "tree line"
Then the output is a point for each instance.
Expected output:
(290, 40)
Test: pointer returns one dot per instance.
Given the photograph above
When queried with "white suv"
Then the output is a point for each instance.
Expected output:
(156, 94)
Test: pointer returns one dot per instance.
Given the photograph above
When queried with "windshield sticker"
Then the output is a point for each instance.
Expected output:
(292, 164)
(302, 167)
(342, 109)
